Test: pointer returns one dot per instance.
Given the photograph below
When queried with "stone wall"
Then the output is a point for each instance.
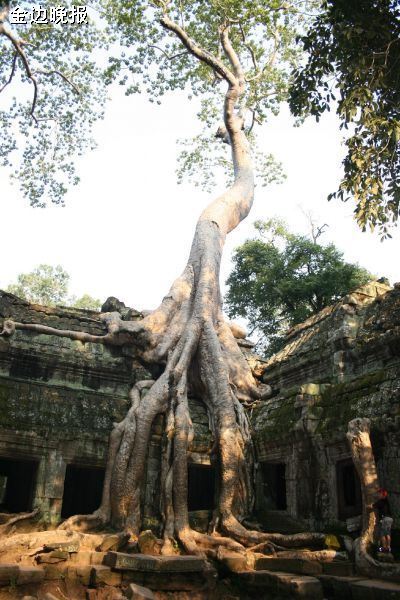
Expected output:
(340, 364)
(59, 399)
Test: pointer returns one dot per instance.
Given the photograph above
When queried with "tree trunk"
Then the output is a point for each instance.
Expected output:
(358, 435)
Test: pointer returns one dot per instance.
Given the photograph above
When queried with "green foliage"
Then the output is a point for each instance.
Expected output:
(48, 285)
(353, 51)
(279, 279)
(49, 102)
(42, 138)
(85, 302)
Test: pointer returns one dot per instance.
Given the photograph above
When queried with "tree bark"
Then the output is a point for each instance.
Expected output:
(358, 435)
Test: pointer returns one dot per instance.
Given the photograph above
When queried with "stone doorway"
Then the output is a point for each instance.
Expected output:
(83, 488)
(348, 490)
(17, 483)
(274, 485)
(201, 487)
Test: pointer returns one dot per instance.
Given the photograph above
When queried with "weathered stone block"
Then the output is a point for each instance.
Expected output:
(114, 541)
(374, 589)
(281, 584)
(137, 592)
(339, 568)
(164, 564)
(30, 575)
(54, 571)
(72, 546)
(338, 587)
(101, 574)
(53, 557)
(289, 565)
(81, 558)
(8, 574)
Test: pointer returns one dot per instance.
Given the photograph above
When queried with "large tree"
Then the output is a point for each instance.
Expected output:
(280, 279)
(237, 55)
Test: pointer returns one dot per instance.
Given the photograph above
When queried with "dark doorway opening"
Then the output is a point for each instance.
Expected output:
(348, 489)
(201, 487)
(83, 488)
(274, 485)
(17, 482)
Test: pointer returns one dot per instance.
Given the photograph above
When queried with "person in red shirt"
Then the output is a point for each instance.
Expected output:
(384, 515)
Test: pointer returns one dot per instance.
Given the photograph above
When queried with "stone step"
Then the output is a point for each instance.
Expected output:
(337, 587)
(12, 574)
(264, 584)
(147, 563)
(300, 566)
(342, 568)
(375, 589)
(161, 573)
(358, 588)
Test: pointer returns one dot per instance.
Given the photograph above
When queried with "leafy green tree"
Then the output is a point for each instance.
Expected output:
(52, 92)
(353, 51)
(45, 285)
(48, 285)
(85, 302)
(280, 279)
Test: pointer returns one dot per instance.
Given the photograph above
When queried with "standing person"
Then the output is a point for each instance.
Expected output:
(382, 508)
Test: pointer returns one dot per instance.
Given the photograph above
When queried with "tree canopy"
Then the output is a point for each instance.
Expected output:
(279, 279)
(48, 285)
(353, 51)
(53, 78)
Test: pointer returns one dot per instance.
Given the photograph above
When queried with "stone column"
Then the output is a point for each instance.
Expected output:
(50, 486)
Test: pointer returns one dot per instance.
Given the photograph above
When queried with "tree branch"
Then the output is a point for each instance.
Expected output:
(232, 56)
(198, 52)
(20, 52)
(66, 79)
(14, 64)
(168, 56)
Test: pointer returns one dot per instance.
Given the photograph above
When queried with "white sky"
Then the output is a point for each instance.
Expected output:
(127, 228)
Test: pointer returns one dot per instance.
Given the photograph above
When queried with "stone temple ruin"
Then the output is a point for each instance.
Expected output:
(59, 399)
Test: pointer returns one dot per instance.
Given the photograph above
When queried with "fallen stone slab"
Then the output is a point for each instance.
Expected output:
(29, 575)
(280, 584)
(53, 557)
(138, 592)
(72, 546)
(104, 575)
(114, 541)
(375, 589)
(169, 582)
(8, 574)
(146, 563)
(288, 565)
